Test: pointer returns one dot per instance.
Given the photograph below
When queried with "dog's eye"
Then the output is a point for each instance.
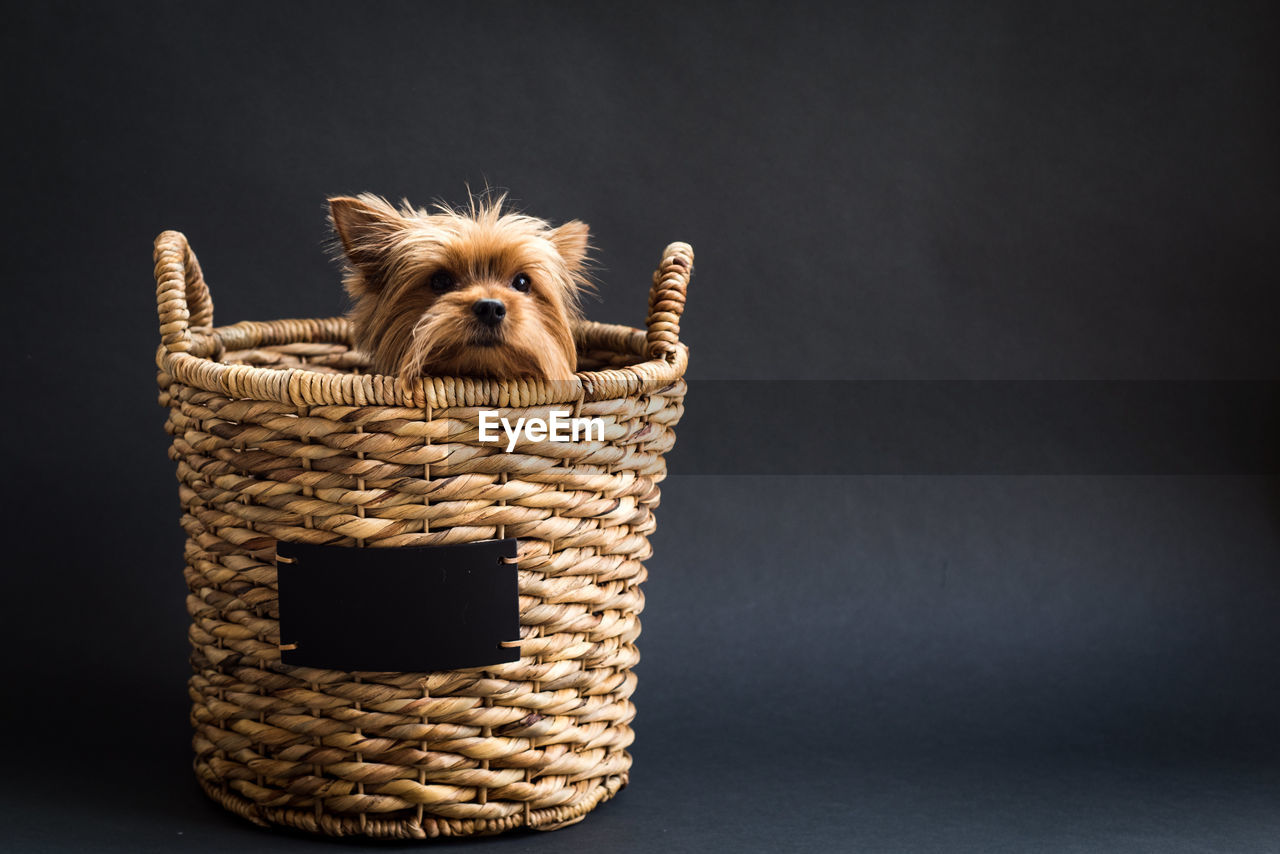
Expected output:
(521, 283)
(442, 281)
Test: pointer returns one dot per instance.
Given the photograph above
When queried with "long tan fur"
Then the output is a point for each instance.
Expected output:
(410, 330)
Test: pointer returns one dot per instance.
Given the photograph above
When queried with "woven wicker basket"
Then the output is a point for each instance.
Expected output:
(278, 435)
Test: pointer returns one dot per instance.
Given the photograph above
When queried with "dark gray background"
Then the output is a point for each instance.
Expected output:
(905, 662)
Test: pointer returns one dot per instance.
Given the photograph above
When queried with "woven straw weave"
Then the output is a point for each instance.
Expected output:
(278, 434)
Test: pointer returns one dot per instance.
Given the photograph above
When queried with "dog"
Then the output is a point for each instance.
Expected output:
(478, 292)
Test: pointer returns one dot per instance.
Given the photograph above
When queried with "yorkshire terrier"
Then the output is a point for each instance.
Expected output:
(477, 292)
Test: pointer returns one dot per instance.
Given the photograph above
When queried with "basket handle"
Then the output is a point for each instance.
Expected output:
(666, 300)
(182, 297)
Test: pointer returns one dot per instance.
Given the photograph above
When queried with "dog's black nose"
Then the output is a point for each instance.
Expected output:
(490, 311)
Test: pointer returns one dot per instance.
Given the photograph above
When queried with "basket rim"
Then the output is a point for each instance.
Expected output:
(199, 367)
(191, 347)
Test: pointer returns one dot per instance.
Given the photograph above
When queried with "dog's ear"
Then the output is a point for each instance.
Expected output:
(570, 240)
(364, 226)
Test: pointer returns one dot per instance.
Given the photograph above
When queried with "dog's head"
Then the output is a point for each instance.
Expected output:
(474, 292)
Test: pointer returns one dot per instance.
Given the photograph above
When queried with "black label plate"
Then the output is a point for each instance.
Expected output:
(398, 609)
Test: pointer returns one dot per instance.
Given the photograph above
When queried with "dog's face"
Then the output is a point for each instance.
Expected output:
(478, 293)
